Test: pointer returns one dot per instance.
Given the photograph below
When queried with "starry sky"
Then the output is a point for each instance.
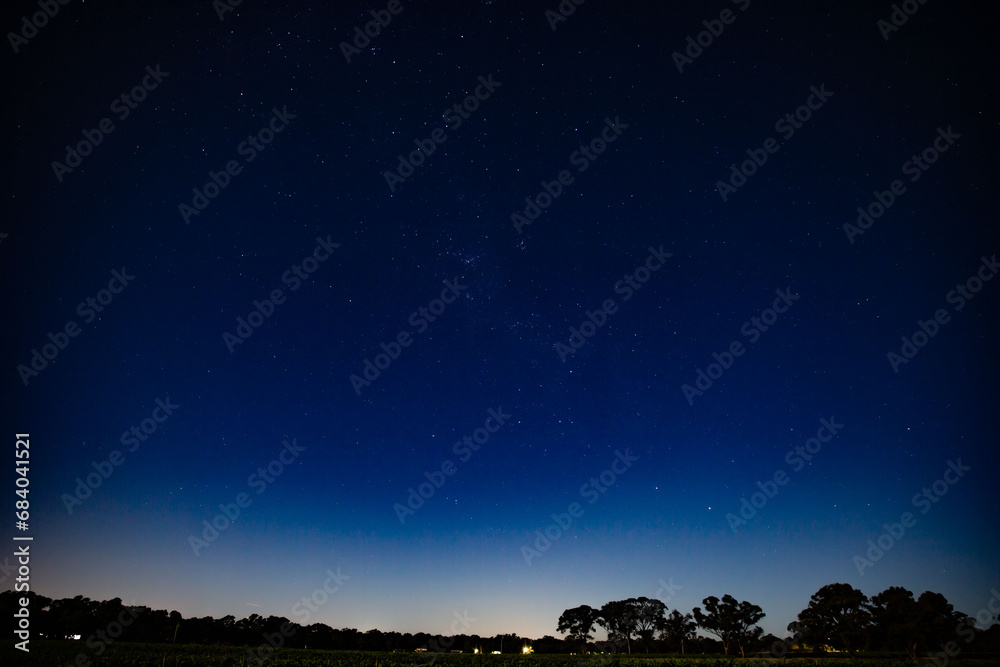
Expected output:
(502, 311)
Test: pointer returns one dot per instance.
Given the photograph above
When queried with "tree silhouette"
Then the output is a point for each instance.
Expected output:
(579, 623)
(838, 615)
(678, 628)
(937, 620)
(895, 620)
(730, 621)
(619, 619)
(648, 617)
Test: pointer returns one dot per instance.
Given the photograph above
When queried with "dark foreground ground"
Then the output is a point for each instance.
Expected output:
(77, 654)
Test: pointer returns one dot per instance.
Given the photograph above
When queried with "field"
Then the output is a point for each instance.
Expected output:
(76, 654)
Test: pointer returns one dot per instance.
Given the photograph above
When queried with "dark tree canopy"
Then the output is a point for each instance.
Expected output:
(579, 623)
(649, 617)
(617, 618)
(895, 620)
(678, 630)
(838, 615)
(938, 622)
(731, 621)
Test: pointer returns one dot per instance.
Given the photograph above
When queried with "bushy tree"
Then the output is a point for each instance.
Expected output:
(937, 621)
(648, 617)
(678, 630)
(731, 621)
(895, 620)
(579, 623)
(838, 615)
(618, 619)
(922, 625)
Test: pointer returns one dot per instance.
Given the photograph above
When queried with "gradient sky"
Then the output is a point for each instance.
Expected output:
(664, 520)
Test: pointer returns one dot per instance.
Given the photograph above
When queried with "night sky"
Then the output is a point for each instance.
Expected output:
(409, 306)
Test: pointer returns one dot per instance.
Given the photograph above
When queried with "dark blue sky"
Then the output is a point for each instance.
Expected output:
(300, 235)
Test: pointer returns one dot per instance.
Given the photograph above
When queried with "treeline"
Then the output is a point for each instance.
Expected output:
(839, 617)
(101, 623)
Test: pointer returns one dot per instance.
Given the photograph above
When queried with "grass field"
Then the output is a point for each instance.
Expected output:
(76, 654)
